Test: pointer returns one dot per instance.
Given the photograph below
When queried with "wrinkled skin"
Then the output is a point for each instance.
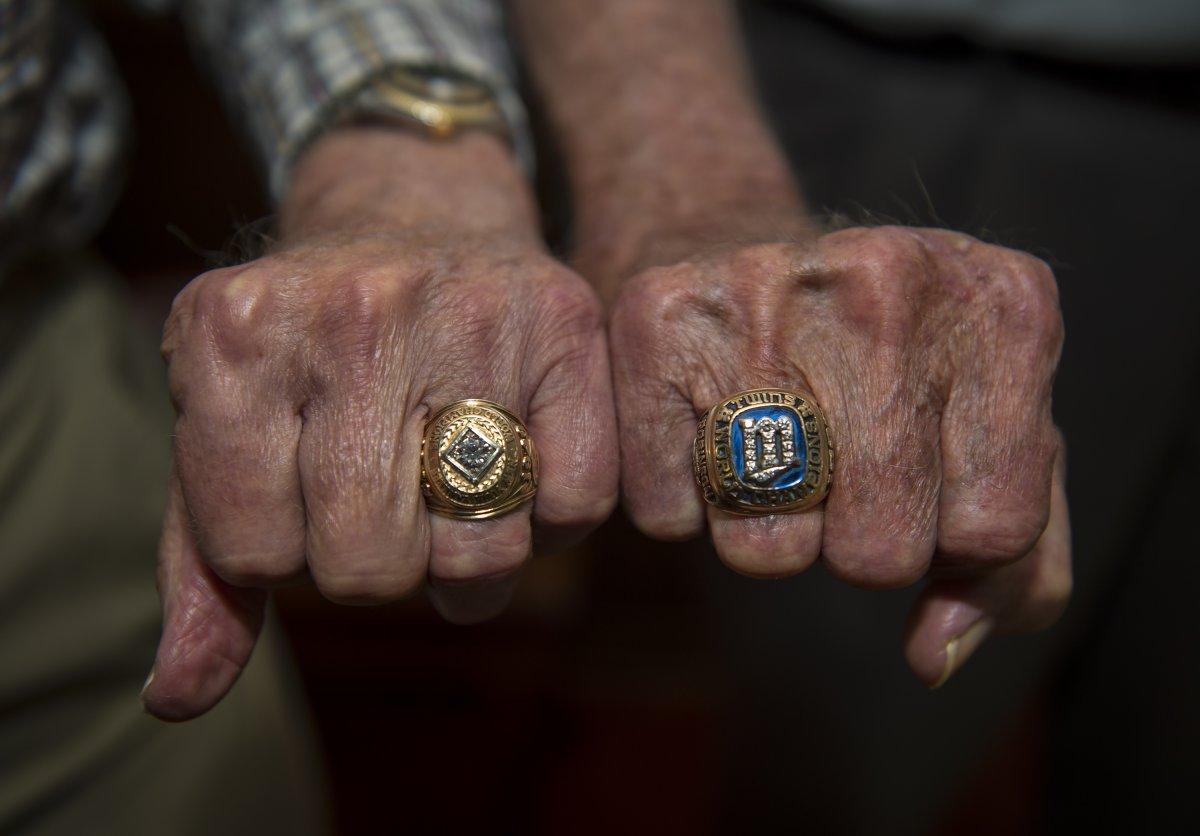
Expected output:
(302, 382)
(933, 357)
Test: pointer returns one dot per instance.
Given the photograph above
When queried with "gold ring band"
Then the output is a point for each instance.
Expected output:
(477, 461)
(764, 451)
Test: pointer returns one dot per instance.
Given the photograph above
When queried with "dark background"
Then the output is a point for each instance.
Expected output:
(637, 687)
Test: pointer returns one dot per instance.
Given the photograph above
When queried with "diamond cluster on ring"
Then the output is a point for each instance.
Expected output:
(768, 448)
(470, 453)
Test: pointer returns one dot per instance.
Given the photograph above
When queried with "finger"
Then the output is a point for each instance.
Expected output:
(368, 533)
(474, 564)
(656, 419)
(657, 427)
(573, 424)
(771, 546)
(954, 616)
(767, 547)
(551, 372)
(209, 627)
(881, 514)
(236, 431)
(998, 438)
(883, 409)
(235, 450)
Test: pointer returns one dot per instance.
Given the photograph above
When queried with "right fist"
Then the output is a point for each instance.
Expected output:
(302, 383)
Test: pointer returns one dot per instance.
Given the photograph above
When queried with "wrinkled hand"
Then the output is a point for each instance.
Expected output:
(302, 382)
(933, 356)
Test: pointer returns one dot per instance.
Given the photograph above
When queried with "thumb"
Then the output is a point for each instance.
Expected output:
(209, 627)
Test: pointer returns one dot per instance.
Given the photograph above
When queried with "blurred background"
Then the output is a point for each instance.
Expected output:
(636, 687)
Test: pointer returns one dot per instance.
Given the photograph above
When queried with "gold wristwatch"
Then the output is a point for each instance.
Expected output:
(440, 101)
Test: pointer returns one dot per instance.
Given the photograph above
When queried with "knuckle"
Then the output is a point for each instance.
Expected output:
(571, 306)
(764, 565)
(1034, 274)
(567, 294)
(667, 523)
(366, 587)
(667, 295)
(1025, 298)
(232, 307)
(878, 562)
(878, 281)
(982, 536)
(662, 329)
(1045, 321)
(361, 308)
(479, 550)
(248, 567)
(577, 506)
(1039, 275)
(664, 526)
(755, 547)
(884, 252)
(567, 326)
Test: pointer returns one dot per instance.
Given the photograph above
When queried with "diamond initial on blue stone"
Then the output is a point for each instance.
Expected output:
(470, 453)
(768, 448)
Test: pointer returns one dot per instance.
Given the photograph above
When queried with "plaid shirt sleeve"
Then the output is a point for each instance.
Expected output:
(287, 67)
(62, 116)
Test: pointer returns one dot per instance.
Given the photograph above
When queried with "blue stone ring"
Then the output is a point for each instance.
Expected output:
(477, 461)
(764, 451)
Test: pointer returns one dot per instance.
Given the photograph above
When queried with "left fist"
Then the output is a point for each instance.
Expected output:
(933, 356)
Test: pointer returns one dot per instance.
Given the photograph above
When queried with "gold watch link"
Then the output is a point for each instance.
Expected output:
(440, 101)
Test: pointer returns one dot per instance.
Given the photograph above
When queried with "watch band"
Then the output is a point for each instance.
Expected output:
(440, 101)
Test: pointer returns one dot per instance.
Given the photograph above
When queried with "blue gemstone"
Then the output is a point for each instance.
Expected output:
(767, 448)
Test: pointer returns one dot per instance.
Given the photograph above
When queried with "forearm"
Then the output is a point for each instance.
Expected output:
(368, 179)
(653, 110)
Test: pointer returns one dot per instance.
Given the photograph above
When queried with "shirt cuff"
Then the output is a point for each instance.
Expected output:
(289, 69)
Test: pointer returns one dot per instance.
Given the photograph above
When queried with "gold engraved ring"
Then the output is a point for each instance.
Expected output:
(764, 451)
(477, 461)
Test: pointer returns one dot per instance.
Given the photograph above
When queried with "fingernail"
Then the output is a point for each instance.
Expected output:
(960, 648)
(146, 684)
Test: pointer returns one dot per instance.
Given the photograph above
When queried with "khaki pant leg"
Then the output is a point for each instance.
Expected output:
(84, 440)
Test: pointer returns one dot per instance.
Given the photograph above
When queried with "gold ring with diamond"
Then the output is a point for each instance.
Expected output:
(477, 461)
(764, 451)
